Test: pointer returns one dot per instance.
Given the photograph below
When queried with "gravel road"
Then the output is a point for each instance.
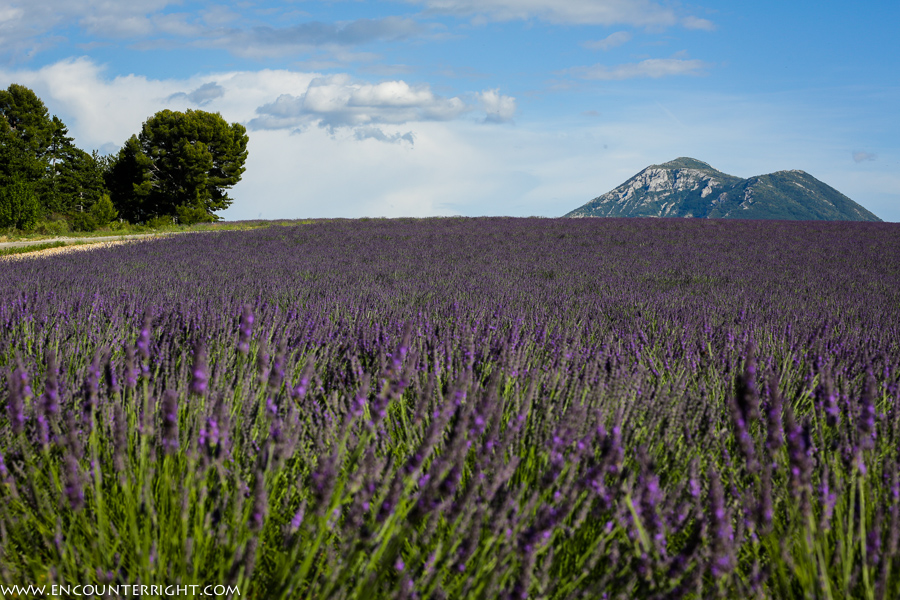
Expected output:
(107, 238)
(93, 243)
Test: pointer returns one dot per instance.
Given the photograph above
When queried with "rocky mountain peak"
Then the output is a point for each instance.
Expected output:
(687, 187)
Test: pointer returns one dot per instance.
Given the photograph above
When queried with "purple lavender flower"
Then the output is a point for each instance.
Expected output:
(73, 483)
(4, 472)
(774, 408)
(260, 502)
(798, 445)
(50, 397)
(130, 368)
(199, 376)
(246, 329)
(143, 344)
(169, 417)
(866, 422)
(90, 390)
(722, 560)
(19, 392)
(297, 519)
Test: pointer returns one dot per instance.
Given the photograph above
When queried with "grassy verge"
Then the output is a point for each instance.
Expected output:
(15, 235)
(30, 248)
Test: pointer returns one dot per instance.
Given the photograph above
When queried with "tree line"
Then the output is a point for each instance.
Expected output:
(177, 168)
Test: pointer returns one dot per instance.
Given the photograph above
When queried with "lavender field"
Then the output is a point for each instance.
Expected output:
(459, 408)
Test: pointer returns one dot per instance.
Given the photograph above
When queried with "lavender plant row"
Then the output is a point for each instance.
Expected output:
(459, 408)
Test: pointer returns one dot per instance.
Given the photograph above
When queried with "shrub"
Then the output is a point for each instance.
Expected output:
(160, 222)
(52, 227)
(84, 222)
(19, 206)
(189, 215)
(103, 211)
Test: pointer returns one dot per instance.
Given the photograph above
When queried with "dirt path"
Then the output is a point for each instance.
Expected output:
(106, 238)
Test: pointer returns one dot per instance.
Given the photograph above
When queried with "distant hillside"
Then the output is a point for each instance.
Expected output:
(686, 187)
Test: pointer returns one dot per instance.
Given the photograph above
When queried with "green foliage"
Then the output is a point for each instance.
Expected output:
(160, 222)
(19, 207)
(128, 175)
(30, 248)
(52, 227)
(36, 148)
(74, 178)
(180, 164)
(84, 221)
(26, 116)
(192, 214)
(103, 211)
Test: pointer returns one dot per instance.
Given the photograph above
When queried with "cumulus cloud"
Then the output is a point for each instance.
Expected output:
(203, 95)
(698, 23)
(339, 101)
(860, 156)
(611, 41)
(259, 42)
(498, 108)
(26, 24)
(102, 112)
(27, 27)
(376, 133)
(651, 68)
(641, 13)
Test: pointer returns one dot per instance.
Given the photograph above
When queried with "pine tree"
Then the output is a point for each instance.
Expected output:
(181, 165)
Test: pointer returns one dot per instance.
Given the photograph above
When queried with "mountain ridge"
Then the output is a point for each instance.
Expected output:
(690, 188)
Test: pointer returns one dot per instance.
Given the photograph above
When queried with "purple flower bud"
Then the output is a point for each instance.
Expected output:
(866, 422)
(764, 510)
(19, 391)
(143, 343)
(774, 427)
(297, 520)
(169, 417)
(722, 533)
(260, 502)
(73, 487)
(90, 389)
(130, 368)
(199, 375)
(262, 361)
(50, 397)
(246, 329)
(276, 374)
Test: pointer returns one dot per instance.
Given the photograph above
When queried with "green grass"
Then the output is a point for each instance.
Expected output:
(15, 235)
(30, 248)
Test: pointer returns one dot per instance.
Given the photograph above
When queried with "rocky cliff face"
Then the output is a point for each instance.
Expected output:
(686, 187)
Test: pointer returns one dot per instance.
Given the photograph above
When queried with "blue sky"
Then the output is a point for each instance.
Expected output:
(479, 107)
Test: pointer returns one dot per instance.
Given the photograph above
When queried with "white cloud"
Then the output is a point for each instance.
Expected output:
(25, 28)
(26, 23)
(103, 112)
(376, 133)
(611, 41)
(460, 166)
(264, 41)
(652, 68)
(698, 23)
(860, 156)
(203, 95)
(337, 101)
(640, 13)
(499, 108)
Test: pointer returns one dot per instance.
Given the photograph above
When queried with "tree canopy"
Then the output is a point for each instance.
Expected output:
(181, 164)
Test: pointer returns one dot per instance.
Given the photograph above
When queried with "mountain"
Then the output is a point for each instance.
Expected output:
(686, 187)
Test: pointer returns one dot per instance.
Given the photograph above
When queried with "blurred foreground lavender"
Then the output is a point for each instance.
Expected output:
(460, 408)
